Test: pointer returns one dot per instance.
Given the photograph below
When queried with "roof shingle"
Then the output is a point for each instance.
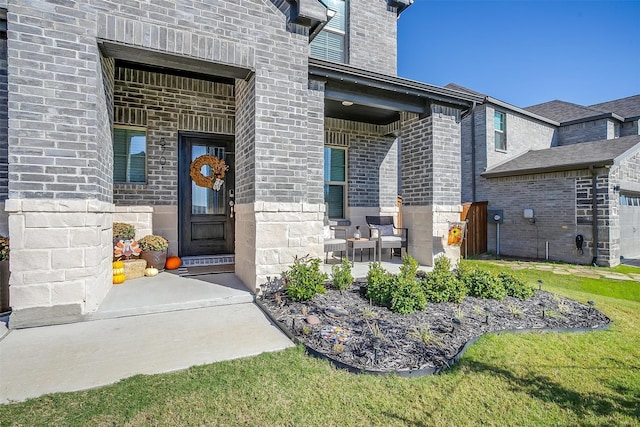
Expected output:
(562, 111)
(567, 157)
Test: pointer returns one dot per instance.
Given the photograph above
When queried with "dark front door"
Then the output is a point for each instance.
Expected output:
(205, 215)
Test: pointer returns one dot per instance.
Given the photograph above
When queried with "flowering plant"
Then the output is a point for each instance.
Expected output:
(153, 243)
(124, 231)
(4, 248)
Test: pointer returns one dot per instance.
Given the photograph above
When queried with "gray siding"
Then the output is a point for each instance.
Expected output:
(4, 122)
(372, 162)
(630, 128)
(523, 134)
(586, 131)
(165, 105)
(431, 159)
(563, 208)
(373, 36)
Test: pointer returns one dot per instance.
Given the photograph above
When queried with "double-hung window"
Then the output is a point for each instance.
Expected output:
(129, 155)
(500, 126)
(335, 181)
(331, 42)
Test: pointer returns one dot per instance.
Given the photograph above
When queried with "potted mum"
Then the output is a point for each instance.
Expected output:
(154, 250)
(4, 275)
(123, 231)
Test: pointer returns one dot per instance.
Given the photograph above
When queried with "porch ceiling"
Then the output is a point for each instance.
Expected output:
(379, 98)
(172, 63)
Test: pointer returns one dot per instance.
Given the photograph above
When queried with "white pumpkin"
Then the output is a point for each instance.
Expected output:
(151, 271)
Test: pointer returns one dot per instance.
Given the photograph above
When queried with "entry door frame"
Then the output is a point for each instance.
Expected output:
(184, 188)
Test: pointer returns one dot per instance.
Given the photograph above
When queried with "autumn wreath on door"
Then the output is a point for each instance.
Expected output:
(218, 169)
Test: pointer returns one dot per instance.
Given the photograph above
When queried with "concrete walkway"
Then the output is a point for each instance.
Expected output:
(85, 355)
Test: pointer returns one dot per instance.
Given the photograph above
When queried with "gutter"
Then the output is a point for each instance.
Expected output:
(592, 118)
(546, 169)
(594, 214)
(348, 74)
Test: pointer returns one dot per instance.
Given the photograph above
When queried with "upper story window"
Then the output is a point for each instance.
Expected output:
(500, 126)
(331, 43)
(335, 181)
(129, 155)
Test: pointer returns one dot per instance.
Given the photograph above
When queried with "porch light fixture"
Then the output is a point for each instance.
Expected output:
(347, 103)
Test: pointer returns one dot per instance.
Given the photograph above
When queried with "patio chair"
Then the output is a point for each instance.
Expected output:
(335, 240)
(383, 229)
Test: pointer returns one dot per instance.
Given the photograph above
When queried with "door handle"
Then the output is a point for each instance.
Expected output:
(231, 204)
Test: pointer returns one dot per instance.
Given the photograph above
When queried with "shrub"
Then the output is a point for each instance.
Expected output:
(304, 279)
(409, 267)
(379, 285)
(122, 230)
(407, 296)
(442, 264)
(442, 284)
(341, 274)
(515, 287)
(464, 271)
(484, 284)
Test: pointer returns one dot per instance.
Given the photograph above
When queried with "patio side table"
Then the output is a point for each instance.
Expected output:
(362, 243)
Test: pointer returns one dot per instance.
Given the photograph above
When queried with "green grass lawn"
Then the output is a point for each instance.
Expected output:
(590, 379)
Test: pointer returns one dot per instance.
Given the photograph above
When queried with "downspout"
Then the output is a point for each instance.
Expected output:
(594, 203)
(473, 152)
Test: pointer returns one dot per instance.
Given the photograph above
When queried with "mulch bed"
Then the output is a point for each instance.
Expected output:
(451, 326)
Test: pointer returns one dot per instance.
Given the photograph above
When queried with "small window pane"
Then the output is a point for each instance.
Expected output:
(498, 120)
(334, 198)
(339, 21)
(129, 155)
(501, 141)
(334, 164)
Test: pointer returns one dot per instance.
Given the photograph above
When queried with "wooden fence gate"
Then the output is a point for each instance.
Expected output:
(475, 214)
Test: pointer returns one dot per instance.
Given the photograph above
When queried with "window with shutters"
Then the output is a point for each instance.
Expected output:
(331, 43)
(130, 155)
(335, 181)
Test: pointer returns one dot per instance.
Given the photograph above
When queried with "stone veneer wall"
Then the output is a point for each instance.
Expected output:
(141, 217)
(431, 159)
(372, 37)
(61, 253)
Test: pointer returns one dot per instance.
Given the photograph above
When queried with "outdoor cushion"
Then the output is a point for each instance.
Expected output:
(394, 238)
(385, 230)
(327, 232)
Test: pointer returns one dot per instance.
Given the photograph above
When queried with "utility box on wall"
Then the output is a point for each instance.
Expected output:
(495, 216)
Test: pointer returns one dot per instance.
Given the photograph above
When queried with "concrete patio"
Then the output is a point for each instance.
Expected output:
(144, 326)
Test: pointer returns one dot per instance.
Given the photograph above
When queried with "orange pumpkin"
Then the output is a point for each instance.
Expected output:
(173, 262)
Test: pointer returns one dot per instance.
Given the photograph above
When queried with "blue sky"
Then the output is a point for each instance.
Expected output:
(524, 52)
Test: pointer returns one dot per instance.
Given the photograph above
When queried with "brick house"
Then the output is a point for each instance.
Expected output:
(549, 161)
(106, 104)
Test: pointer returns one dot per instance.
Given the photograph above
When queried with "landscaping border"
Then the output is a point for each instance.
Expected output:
(415, 373)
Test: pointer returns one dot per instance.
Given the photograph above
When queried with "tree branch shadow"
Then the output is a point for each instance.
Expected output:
(623, 401)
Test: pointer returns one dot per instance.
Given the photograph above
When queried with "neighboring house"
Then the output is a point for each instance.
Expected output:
(549, 161)
(109, 103)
